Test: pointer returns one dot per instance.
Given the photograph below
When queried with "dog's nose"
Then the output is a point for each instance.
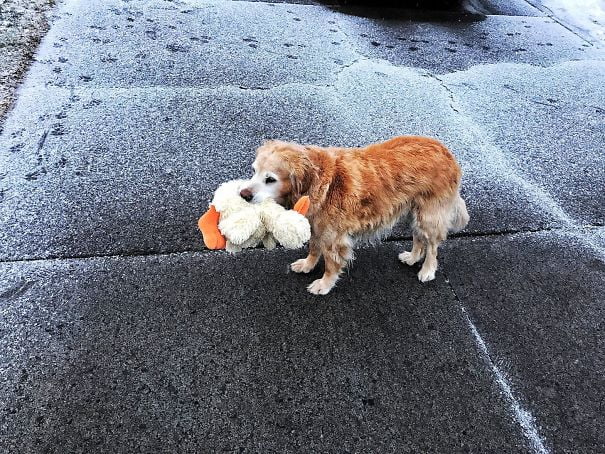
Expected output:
(246, 194)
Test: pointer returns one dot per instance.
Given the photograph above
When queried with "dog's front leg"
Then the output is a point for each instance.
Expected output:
(336, 256)
(307, 265)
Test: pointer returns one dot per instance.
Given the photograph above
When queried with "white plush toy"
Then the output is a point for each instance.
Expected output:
(235, 224)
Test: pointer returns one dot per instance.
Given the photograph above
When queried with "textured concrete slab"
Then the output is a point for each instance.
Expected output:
(197, 353)
(264, 44)
(86, 177)
(446, 46)
(135, 111)
(549, 124)
(123, 161)
(537, 300)
(390, 100)
(586, 19)
(114, 171)
(149, 43)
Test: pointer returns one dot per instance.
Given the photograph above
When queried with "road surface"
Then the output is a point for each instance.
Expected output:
(119, 332)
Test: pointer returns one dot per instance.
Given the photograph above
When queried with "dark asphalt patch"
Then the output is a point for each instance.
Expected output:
(197, 352)
(537, 299)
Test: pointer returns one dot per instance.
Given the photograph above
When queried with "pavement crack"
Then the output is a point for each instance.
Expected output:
(261, 88)
(212, 88)
(350, 42)
(346, 66)
(114, 255)
(499, 233)
(242, 87)
(505, 232)
(151, 253)
(449, 91)
(552, 106)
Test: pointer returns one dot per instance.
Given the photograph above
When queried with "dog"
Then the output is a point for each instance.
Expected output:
(360, 193)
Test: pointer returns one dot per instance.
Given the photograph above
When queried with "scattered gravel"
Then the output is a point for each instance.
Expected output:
(22, 24)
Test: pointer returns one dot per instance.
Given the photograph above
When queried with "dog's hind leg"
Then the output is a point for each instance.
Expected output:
(307, 264)
(429, 267)
(432, 223)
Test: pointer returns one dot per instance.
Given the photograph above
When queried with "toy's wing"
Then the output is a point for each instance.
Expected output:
(303, 204)
(208, 225)
(292, 230)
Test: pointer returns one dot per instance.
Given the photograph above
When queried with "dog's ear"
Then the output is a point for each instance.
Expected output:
(302, 171)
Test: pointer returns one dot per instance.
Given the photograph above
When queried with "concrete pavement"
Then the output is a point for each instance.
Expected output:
(120, 333)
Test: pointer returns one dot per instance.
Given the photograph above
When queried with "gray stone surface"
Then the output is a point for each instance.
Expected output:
(585, 19)
(549, 126)
(448, 46)
(537, 299)
(149, 43)
(211, 109)
(84, 177)
(204, 356)
(124, 159)
(265, 44)
(125, 125)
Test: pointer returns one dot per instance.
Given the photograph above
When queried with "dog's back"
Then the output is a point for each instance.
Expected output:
(370, 188)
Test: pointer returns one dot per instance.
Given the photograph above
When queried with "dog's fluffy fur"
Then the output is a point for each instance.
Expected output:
(360, 192)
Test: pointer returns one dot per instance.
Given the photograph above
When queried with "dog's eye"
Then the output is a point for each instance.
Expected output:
(269, 180)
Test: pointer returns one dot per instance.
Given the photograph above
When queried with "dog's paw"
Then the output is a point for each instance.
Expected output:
(320, 287)
(426, 275)
(301, 266)
(408, 258)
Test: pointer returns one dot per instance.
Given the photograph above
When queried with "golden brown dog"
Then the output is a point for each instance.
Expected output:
(361, 193)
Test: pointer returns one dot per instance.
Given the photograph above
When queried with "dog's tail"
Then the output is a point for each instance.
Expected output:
(458, 215)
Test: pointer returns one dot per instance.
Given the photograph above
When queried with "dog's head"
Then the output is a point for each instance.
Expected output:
(282, 172)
